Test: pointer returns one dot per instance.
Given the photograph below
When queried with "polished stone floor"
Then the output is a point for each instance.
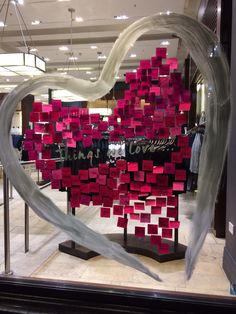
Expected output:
(45, 261)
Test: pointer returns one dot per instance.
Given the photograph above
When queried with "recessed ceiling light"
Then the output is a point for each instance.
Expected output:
(8, 80)
(165, 43)
(93, 78)
(73, 58)
(35, 22)
(88, 72)
(93, 47)
(79, 19)
(21, 2)
(102, 57)
(121, 17)
(25, 79)
(33, 49)
(117, 77)
(2, 24)
(63, 48)
(133, 55)
(63, 73)
(63, 0)
(134, 70)
(85, 68)
(46, 59)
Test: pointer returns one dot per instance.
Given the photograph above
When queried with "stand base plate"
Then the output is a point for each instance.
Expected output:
(133, 245)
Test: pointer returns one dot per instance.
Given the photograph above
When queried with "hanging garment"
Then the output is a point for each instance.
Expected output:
(195, 153)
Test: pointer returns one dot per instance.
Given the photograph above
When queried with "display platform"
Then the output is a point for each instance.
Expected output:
(133, 245)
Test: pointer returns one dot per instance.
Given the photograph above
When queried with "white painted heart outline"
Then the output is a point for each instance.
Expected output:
(210, 60)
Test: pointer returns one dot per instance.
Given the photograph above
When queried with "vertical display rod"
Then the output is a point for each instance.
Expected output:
(125, 231)
(11, 190)
(7, 270)
(176, 229)
(26, 228)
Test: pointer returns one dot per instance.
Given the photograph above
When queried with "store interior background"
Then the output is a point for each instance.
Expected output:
(94, 31)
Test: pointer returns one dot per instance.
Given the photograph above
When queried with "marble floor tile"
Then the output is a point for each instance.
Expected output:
(45, 261)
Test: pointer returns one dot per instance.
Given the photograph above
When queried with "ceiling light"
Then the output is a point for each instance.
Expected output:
(35, 22)
(2, 24)
(133, 55)
(88, 72)
(8, 80)
(63, 0)
(117, 77)
(63, 73)
(63, 48)
(33, 49)
(72, 58)
(93, 47)
(121, 17)
(79, 19)
(165, 43)
(13, 64)
(21, 2)
(134, 70)
(102, 57)
(46, 59)
(93, 78)
(25, 79)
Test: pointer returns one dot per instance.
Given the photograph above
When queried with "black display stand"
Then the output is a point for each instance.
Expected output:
(131, 244)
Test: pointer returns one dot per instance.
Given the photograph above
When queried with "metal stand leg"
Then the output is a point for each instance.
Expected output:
(7, 270)
(26, 228)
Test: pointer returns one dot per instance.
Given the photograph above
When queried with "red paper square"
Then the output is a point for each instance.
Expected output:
(178, 186)
(128, 209)
(172, 212)
(171, 201)
(139, 205)
(118, 210)
(122, 222)
(151, 178)
(139, 176)
(105, 212)
(152, 229)
(132, 166)
(107, 202)
(161, 201)
(85, 199)
(97, 200)
(169, 168)
(166, 233)
(101, 179)
(174, 224)
(145, 218)
(93, 173)
(134, 217)
(180, 175)
(163, 222)
(121, 164)
(155, 210)
(158, 169)
(147, 165)
(125, 178)
(83, 175)
(139, 232)
(151, 202)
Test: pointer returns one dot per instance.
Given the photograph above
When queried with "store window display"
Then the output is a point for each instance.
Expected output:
(213, 66)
